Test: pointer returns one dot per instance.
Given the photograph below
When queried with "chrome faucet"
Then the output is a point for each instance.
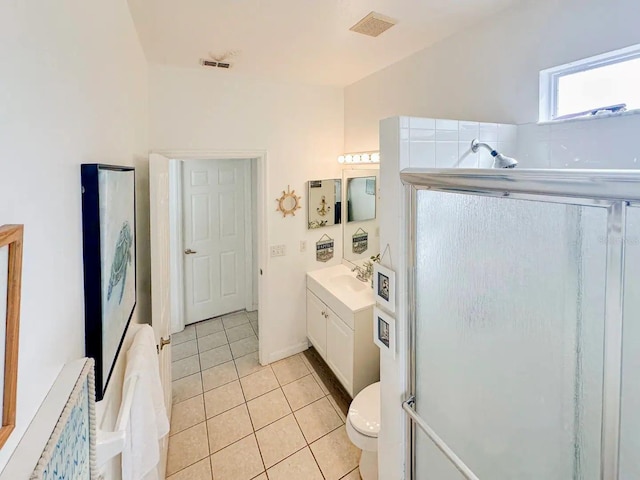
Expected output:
(365, 273)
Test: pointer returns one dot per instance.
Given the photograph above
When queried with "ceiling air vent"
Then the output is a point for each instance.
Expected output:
(212, 63)
(373, 24)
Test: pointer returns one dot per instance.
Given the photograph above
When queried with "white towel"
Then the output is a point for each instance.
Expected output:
(148, 421)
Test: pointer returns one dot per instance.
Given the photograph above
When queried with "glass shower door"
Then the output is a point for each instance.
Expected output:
(509, 305)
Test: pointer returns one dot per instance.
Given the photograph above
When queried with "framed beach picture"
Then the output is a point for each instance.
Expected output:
(384, 331)
(384, 287)
(109, 251)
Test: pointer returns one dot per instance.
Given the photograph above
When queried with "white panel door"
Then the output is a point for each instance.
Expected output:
(340, 350)
(161, 279)
(317, 323)
(215, 207)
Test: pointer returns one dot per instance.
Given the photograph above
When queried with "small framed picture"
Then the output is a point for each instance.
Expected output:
(384, 331)
(384, 287)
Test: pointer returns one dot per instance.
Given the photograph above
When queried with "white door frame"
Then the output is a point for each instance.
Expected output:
(177, 287)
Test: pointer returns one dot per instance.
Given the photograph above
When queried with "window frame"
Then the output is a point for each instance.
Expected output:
(549, 78)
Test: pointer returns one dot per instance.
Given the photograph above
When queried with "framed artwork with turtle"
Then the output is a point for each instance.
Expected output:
(109, 253)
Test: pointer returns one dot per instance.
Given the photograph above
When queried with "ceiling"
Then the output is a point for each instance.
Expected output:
(301, 41)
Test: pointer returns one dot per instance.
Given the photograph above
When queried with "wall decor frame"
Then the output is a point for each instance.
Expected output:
(324, 248)
(11, 245)
(109, 252)
(384, 287)
(384, 331)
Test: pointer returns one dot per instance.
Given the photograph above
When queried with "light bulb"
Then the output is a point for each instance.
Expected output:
(349, 158)
(375, 158)
(356, 159)
(365, 157)
(341, 159)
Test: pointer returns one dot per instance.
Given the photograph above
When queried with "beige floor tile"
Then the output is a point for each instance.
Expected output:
(187, 414)
(238, 333)
(197, 471)
(306, 361)
(259, 383)
(335, 406)
(240, 461)
(186, 448)
(209, 342)
(234, 319)
(268, 408)
(185, 367)
(189, 333)
(248, 364)
(262, 476)
(256, 329)
(208, 327)
(244, 347)
(279, 440)
(302, 392)
(219, 375)
(300, 465)
(317, 419)
(228, 427)
(223, 398)
(215, 356)
(184, 350)
(335, 454)
(186, 387)
(354, 475)
(289, 369)
(253, 315)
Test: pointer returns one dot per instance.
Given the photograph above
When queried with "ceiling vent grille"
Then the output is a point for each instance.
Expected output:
(211, 63)
(373, 24)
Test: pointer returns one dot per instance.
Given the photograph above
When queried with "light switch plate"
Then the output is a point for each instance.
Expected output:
(278, 251)
(303, 245)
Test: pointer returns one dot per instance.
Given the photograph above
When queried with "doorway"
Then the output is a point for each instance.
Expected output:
(167, 232)
(219, 250)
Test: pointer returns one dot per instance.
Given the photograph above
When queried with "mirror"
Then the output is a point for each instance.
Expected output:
(361, 199)
(324, 204)
(360, 233)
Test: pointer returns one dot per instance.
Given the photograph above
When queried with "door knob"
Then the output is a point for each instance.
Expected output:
(164, 342)
(188, 251)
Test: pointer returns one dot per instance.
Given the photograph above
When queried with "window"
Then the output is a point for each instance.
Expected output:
(607, 83)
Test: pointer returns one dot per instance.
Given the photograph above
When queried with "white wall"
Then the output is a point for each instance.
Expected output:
(73, 89)
(489, 72)
(300, 128)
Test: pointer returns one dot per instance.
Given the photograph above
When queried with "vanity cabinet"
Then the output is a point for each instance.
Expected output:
(344, 341)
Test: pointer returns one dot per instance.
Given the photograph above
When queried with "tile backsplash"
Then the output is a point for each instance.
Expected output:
(440, 143)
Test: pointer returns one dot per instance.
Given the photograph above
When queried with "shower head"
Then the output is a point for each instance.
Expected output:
(499, 160)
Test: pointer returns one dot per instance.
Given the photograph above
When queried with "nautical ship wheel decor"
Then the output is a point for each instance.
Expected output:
(288, 203)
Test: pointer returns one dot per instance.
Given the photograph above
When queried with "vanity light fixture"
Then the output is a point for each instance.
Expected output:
(366, 157)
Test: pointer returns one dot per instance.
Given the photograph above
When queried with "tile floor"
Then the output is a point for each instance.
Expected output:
(234, 419)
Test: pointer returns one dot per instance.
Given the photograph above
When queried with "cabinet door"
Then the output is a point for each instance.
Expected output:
(340, 350)
(317, 323)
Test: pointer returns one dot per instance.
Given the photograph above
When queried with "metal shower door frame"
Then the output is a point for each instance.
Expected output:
(612, 190)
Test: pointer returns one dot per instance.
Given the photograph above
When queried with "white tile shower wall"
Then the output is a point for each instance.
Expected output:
(439, 143)
(590, 143)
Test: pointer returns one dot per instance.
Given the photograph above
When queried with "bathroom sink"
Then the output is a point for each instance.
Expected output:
(347, 281)
(341, 291)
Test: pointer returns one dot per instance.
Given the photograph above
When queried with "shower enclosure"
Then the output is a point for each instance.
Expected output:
(524, 324)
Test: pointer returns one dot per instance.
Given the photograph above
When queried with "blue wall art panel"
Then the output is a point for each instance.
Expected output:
(109, 250)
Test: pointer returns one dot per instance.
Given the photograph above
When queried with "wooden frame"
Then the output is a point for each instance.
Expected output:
(11, 236)
(110, 258)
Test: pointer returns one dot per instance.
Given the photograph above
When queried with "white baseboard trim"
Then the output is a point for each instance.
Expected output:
(287, 352)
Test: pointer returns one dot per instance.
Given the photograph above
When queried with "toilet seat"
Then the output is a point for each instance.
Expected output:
(364, 411)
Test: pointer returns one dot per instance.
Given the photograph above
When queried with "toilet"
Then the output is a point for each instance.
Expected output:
(363, 425)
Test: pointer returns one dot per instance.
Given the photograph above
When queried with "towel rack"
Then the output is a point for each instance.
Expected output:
(110, 444)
